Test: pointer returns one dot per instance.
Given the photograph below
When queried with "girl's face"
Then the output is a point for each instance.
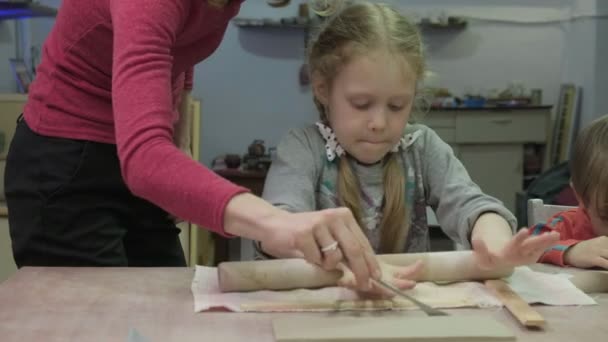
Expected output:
(369, 103)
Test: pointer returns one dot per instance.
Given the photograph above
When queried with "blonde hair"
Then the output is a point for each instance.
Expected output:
(356, 30)
(588, 166)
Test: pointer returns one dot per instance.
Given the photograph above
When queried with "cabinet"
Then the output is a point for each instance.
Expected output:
(11, 106)
(497, 169)
(490, 143)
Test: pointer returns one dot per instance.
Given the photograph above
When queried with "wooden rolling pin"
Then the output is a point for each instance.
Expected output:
(590, 281)
(287, 274)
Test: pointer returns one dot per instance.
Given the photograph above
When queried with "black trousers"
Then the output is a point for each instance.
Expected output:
(69, 206)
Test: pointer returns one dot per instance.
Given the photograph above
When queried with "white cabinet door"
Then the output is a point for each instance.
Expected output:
(496, 168)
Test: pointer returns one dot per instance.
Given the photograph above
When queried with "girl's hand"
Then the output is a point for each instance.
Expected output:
(522, 249)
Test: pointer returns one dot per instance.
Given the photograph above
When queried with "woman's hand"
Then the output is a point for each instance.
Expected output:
(401, 277)
(324, 238)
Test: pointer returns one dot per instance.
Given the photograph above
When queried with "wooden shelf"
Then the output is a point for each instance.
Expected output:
(240, 173)
(490, 108)
(429, 26)
(287, 23)
(453, 23)
(25, 9)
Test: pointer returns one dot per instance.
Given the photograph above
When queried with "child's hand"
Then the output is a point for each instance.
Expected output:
(522, 249)
(589, 253)
(398, 276)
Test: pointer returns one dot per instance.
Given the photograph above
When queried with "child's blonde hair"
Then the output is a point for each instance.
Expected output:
(588, 166)
(357, 30)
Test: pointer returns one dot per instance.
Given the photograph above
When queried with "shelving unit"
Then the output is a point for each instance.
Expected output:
(447, 24)
(451, 24)
(24, 9)
(287, 23)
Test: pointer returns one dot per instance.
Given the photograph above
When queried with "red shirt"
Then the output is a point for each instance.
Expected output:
(112, 71)
(573, 226)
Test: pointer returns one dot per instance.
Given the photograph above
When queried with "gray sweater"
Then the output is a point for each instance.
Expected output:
(302, 179)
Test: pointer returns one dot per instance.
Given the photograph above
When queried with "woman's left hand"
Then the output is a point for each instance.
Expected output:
(522, 249)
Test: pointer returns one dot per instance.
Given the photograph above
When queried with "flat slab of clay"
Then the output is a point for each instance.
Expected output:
(382, 329)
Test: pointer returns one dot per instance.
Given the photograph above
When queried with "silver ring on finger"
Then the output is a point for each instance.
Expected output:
(331, 247)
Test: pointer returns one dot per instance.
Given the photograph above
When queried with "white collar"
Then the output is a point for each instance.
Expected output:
(333, 148)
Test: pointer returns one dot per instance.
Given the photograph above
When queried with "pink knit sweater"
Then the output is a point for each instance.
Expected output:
(112, 71)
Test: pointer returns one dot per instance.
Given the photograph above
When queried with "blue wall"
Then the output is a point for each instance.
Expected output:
(249, 87)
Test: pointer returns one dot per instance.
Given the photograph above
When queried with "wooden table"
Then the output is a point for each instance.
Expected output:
(103, 304)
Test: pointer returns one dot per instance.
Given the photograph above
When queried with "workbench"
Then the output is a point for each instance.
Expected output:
(104, 304)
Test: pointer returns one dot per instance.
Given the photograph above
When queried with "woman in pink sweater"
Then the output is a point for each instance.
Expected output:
(94, 171)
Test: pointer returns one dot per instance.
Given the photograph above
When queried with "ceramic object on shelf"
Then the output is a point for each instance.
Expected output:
(257, 148)
(232, 161)
(278, 3)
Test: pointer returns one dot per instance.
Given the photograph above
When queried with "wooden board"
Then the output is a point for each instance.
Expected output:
(516, 305)
(381, 329)
(286, 274)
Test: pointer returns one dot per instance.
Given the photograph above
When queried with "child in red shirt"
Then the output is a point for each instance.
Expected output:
(584, 230)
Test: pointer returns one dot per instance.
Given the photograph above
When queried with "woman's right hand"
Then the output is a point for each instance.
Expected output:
(284, 234)
(401, 277)
(308, 234)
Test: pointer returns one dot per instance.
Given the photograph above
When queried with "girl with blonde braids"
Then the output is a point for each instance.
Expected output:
(367, 65)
